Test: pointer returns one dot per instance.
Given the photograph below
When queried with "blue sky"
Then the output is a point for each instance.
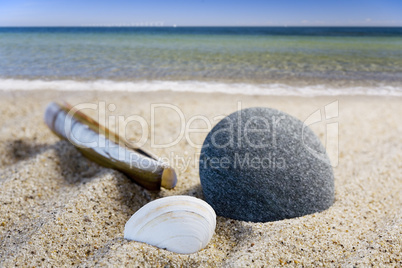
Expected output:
(201, 13)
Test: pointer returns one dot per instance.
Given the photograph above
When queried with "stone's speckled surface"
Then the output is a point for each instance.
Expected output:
(260, 164)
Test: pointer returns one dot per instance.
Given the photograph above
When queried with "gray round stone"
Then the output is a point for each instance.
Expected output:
(261, 164)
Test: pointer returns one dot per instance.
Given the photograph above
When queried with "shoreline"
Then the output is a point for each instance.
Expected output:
(60, 209)
(232, 88)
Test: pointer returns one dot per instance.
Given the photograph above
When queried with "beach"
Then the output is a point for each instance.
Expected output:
(60, 209)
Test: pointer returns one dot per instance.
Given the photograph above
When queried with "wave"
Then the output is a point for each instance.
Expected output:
(197, 86)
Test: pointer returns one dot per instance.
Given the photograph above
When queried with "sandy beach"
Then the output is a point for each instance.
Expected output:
(60, 209)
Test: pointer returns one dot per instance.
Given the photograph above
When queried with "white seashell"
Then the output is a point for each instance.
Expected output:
(181, 224)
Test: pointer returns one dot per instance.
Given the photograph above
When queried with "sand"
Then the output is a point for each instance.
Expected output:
(57, 208)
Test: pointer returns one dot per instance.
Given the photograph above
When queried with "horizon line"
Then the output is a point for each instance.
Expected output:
(184, 26)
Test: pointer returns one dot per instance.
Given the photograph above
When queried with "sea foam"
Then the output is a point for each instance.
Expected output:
(197, 86)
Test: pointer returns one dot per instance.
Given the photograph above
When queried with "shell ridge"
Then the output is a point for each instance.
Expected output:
(178, 236)
(168, 215)
(165, 244)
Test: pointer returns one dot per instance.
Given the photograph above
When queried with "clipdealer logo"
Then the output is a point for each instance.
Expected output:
(326, 116)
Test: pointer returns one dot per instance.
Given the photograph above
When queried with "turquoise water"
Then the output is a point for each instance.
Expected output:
(251, 55)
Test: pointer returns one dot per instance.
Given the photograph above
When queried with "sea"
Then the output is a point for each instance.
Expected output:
(235, 60)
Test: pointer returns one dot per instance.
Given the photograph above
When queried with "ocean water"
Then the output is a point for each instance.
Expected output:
(253, 60)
